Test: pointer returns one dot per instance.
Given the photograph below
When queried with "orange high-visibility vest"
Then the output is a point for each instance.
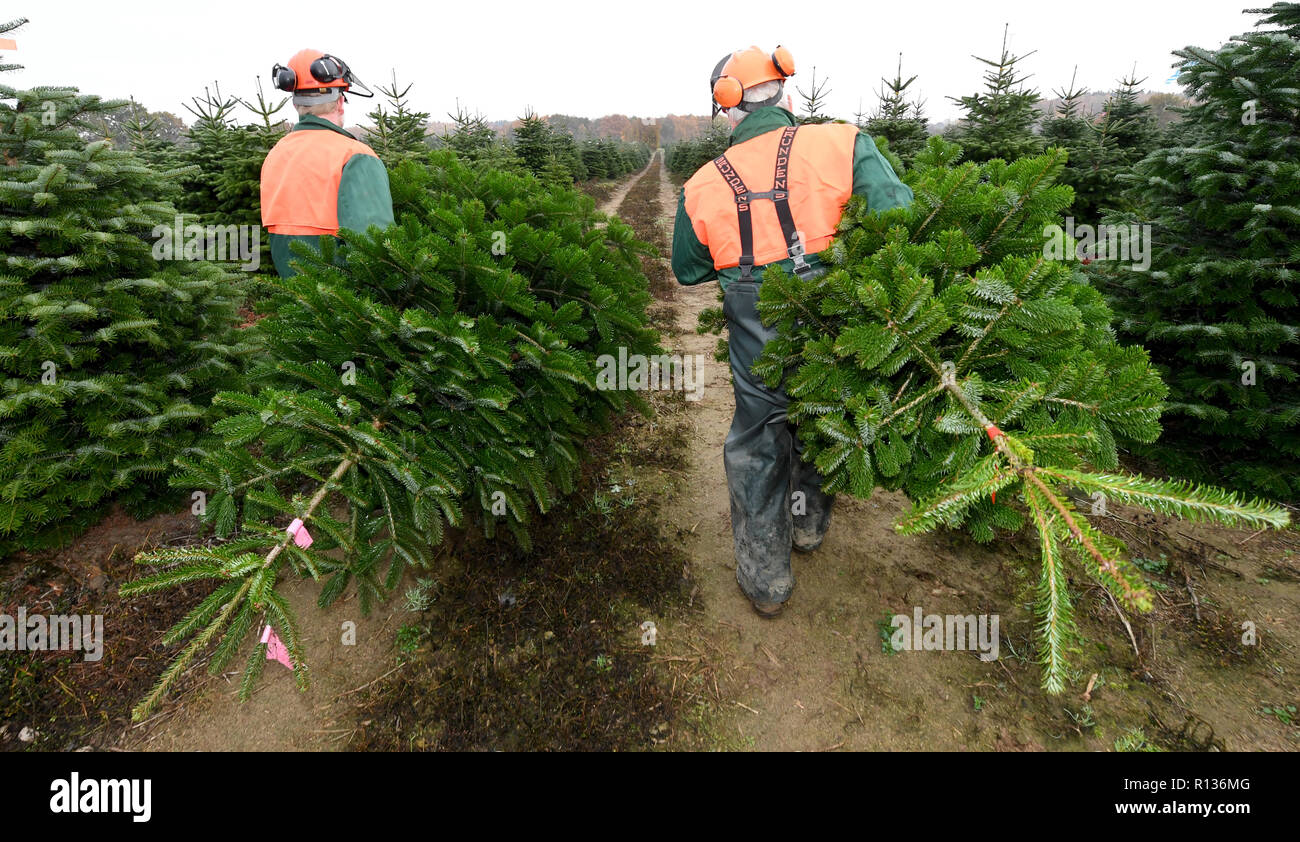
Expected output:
(300, 181)
(807, 174)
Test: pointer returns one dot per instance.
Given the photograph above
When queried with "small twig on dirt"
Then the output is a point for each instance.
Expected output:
(846, 710)
(1124, 619)
(1196, 603)
(840, 744)
(1251, 535)
(1009, 675)
(1087, 694)
(748, 708)
(769, 655)
(368, 683)
(68, 690)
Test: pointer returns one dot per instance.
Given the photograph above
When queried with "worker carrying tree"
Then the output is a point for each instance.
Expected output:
(774, 197)
(319, 178)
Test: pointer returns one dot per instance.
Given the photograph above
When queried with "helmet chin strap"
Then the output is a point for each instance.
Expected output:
(751, 107)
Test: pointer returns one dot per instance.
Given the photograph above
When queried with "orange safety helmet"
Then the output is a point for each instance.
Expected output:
(315, 77)
(744, 69)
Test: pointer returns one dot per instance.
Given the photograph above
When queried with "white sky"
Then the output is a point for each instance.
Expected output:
(595, 58)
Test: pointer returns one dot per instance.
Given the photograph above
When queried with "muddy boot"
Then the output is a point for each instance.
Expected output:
(811, 508)
(759, 459)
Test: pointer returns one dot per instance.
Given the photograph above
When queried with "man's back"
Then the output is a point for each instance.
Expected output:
(827, 158)
(819, 181)
(316, 180)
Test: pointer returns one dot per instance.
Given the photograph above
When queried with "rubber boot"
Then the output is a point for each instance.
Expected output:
(763, 467)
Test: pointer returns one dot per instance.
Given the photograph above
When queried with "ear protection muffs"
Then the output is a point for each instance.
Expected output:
(325, 69)
(783, 61)
(284, 77)
(728, 91)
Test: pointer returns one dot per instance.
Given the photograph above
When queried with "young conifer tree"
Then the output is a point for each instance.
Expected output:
(814, 101)
(898, 120)
(397, 133)
(999, 121)
(477, 143)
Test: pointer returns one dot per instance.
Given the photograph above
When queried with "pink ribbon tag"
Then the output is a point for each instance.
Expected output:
(275, 650)
(301, 536)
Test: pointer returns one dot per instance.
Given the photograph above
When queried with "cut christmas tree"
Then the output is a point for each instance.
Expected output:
(445, 373)
(945, 356)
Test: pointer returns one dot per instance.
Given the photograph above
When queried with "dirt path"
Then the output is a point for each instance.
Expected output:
(819, 678)
(611, 205)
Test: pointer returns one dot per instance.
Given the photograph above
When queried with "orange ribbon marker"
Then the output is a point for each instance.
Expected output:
(993, 432)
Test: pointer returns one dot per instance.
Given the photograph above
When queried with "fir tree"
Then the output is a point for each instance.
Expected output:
(397, 133)
(566, 158)
(6, 28)
(1072, 130)
(999, 121)
(1124, 134)
(900, 122)
(686, 156)
(1130, 122)
(142, 135)
(532, 143)
(109, 355)
(944, 355)
(225, 185)
(208, 150)
(476, 142)
(1218, 308)
(814, 101)
(447, 374)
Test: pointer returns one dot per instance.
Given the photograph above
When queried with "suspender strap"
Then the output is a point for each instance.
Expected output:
(780, 198)
(737, 185)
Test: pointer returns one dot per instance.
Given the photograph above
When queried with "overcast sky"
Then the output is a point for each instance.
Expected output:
(594, 58)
